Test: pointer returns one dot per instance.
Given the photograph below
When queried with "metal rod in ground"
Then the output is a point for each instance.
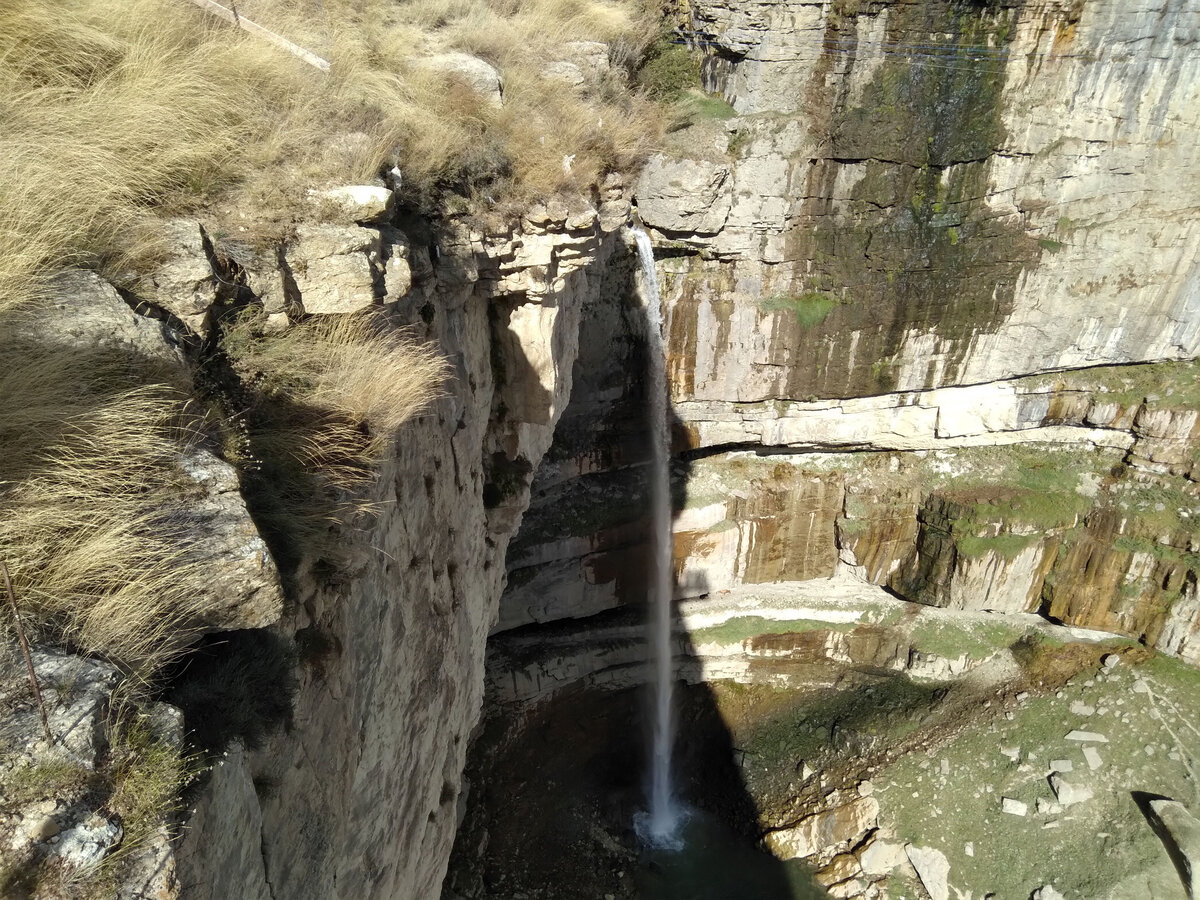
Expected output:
(232, 16)
(37, 691)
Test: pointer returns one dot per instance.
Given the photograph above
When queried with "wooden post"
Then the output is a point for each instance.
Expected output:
(37, 692)
(231, 16)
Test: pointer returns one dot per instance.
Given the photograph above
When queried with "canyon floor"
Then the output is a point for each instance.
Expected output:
(844, 726)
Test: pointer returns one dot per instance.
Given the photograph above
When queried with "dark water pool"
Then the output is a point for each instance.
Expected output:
(717, 863)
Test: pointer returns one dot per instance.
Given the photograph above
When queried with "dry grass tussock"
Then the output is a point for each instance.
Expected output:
(327, 399)
(98, 526)
(96, 533)
(114, 109)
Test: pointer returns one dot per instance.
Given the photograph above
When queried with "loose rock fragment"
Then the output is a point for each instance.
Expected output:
(1068, 794)
(1087, 737)
(1013, 807)
(933, 869)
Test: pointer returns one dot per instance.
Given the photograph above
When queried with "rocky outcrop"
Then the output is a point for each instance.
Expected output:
(364, 794)
(821, 832)
(55, 795)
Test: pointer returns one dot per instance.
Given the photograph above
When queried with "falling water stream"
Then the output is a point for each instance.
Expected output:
(659, 826)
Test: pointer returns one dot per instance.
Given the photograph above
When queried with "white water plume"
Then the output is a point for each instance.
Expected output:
(659, 826)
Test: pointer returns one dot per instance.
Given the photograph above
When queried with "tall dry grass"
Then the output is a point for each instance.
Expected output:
(327, 399)
(97, 532)
(114, 110)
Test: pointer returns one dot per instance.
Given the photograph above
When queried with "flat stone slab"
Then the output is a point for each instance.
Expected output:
(1013, 807)
(933, 869)
(1068, 794)
(1087, 737)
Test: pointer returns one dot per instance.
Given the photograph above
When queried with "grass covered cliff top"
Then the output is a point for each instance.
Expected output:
(117, 110)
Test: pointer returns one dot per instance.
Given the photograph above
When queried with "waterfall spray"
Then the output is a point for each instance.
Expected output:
(660, 825)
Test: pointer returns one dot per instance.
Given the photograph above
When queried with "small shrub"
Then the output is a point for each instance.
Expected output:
(669, 70)
(147, 776)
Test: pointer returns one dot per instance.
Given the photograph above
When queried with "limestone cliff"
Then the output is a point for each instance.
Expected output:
(359, 797)
(917, 210)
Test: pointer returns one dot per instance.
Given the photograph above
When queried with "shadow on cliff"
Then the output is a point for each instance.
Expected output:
(552, 789)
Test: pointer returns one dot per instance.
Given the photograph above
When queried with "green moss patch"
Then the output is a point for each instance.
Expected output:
(952, 640)
(810, 309)
(950, 798)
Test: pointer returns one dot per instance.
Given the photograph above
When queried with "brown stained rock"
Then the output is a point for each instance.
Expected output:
(840, 868)
(824, 830)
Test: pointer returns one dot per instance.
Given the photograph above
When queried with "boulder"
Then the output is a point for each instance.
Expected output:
(566, 72)
(84, 845)
(685, 195)
(848, 889)
(332, 266)
(84, 311)
(184, 284)
(1068, 794)
(359, 203)
(1013, 807)
(244, 590)
(881, 857)
(590, 57)
(933, 869)
(1179, 831)
(481, 77)
(824, 830)
(150, 870)
(840, 868)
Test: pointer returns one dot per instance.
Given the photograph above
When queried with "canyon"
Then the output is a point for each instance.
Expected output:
(931, 301)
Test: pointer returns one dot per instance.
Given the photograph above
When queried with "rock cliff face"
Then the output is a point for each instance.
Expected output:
(931, 300)
(363, 788)
(918, 195)
(919, 213)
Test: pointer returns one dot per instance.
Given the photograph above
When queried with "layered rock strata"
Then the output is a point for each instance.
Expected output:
(364, 785)
(917, 209)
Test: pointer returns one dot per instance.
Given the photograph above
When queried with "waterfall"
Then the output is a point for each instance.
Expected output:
(659, 826)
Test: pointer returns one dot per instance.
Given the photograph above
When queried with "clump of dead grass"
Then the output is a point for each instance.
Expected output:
(358, 377)
(326, 399)
(96, 534)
